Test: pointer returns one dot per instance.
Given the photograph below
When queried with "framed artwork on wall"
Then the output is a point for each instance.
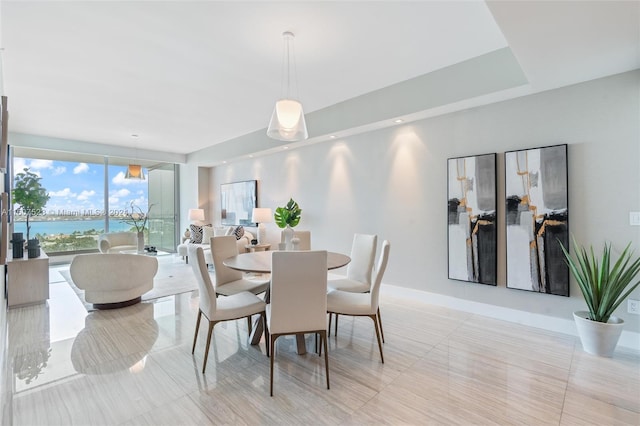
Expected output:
(471, 219)
(537, 219)
(237, 200)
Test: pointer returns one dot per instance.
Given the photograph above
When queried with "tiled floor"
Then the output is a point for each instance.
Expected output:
(134, 366)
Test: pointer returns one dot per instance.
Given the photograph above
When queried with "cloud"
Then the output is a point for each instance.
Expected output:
(41, 164)
(123, 192)
(58, 171)
(84, 195)
(19, 164)
(113, 201)
(81, 168)
(62, 193)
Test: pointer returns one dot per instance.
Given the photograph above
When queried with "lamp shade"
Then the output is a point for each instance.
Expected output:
(287, 121)
(262, 215)
(134, 171)
(196, 214)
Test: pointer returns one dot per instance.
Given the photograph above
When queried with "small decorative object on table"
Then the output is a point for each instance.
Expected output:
(138, 219)
(18, 245)
(254, 242)
(288, 217)
(33, 248)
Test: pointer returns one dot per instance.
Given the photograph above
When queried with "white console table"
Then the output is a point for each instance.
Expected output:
(27, 280)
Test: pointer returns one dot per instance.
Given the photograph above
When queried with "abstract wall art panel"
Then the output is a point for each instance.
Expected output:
(471, 218)
(237, 201)
(537, 219)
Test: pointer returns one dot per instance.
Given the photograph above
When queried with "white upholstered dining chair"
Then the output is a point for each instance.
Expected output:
(303, 236)
(217, 309)
(342, 302)
(229, 281)
(358, 279)
(298, 298)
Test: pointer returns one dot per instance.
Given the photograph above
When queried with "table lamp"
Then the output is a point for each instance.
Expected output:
(196, 216)
(262, 216)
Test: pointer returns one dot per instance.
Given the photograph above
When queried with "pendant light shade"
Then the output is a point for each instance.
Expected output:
(134, 171)
(287, 121)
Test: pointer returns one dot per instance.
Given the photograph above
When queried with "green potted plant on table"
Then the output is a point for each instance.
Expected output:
(604, 287)
(288, 217)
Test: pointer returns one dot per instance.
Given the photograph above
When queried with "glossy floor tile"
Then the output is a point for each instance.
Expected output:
(133, 366)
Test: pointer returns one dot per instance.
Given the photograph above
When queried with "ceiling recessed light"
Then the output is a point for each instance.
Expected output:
(285, 147)
(332, 136)
(224, 162)
(134, 135)
(399, 120)
(250, 155)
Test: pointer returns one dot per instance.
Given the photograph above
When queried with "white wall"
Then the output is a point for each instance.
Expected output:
(392, 182)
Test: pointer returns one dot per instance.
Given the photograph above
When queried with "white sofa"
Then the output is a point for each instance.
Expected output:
(115, 242)
(245, 240)
(113, 280)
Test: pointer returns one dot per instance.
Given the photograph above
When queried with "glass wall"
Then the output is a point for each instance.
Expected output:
(86, 195)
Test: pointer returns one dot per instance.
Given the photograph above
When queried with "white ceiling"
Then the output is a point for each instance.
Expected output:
(188, 75)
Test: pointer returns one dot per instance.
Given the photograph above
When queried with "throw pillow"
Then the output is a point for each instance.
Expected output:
(238, 232)
(196, 234)
(207, 233)
(221, 231)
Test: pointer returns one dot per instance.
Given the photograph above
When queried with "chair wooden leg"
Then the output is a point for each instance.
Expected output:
(273, 355)
(329, 328)
(249, 326)
(374, 317)
(266, 331)
(320, 343)
(195, 337)
(335, 331)
(323, 334)
(206, 351)
(380, 322)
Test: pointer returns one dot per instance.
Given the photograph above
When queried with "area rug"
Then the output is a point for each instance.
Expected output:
(170, 280)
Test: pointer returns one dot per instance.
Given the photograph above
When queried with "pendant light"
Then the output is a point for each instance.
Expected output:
(134, 171)
(287, 121)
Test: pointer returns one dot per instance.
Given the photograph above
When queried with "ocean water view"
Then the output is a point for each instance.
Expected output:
(67, 227)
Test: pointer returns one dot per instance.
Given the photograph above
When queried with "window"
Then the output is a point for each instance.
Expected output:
(78, 211)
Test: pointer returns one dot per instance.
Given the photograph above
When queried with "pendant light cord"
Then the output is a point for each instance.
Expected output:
(287, 67)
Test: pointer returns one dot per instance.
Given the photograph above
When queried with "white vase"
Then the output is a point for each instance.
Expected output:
(295, 243)
(140, 242)
(288, 235)
(598, 338)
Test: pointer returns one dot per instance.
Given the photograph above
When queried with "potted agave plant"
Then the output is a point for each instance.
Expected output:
(604, 287)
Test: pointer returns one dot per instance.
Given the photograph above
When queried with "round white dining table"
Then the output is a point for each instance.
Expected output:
(260, 261)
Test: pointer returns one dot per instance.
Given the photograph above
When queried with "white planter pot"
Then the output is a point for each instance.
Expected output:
(598, 338)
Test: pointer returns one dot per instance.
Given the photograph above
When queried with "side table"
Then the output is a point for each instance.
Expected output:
(27, 280)
(257, 247)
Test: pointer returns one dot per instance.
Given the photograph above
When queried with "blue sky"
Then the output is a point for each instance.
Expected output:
(79, 187)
